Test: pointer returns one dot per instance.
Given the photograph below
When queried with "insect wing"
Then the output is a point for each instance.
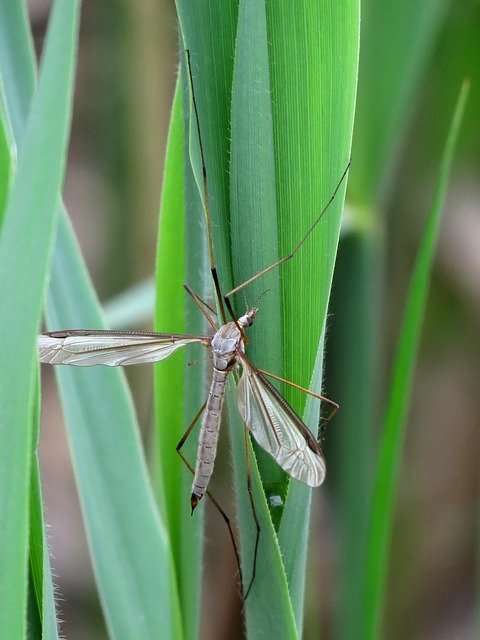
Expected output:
(277, 428)
(113, 348)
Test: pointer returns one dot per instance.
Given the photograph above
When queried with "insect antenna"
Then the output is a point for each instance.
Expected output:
(260, 297)
(206, 203)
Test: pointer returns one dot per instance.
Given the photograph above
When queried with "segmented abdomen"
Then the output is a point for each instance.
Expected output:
(207, 442)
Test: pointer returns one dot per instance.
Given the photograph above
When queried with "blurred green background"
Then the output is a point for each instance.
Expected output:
(126, 74)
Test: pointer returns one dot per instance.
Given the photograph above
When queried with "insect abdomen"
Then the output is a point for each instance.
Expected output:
(207, 442)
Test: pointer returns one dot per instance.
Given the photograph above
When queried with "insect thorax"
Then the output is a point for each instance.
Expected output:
(225, 344)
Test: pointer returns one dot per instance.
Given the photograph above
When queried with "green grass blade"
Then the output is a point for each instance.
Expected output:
(41, 584)
(130, 548)
(208, 32)
(383, 503)
(41, 575)
(268, 609)
(25, 247)
(384, 99)
(141, 580)
(18, 63)
(386, 102)
(313, 118)
(7, 152)
(253, 198)
(258, 179)
(175, 401)
(132, 307)
(301, 190)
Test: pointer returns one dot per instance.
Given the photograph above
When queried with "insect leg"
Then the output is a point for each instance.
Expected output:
(206, 203)
(299, 245)
(254, 511)
(334, 406)
(209, 494)
(202, 305)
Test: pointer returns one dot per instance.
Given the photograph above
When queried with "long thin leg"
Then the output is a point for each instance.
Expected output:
(254, 511)
(299, 245)
(209, 494)
(206, 203)
(202, 305)
(332, 403)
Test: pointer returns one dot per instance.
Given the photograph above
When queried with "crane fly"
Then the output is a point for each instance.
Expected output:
(270, 419)
(267, 415)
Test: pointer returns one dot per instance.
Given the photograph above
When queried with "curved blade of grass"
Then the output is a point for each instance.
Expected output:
(247, 221)
(16, 46)
(384, 108)
(280, 618)
(176, 394)
(132, 307)
(41, 585)
(40, 572)
(253, 202)
(384, 99)
(254, 242)
(208, 31)
(314, 102)
(7, 152)
(138, 577)
(130, 549)
(268, 608)
(312, 129)
(383, 502)
(25, 249)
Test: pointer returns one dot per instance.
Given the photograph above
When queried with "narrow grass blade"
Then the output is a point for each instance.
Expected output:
(385, 102)
(7, 152)
(26, 242)
(314, 91)
(130, 549)
(384, 99)
(212, 77)
(253, 198)
(137, 594)
(268, 608)
(208, 32)
(176, 402)
(40, 572)
(133, 307)
(18, 63)
(302, 166)
(283, 36)
(383, 503)
(41, 609)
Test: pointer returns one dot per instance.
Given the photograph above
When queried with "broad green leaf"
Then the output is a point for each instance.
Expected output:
(385, 489)
(26, 242)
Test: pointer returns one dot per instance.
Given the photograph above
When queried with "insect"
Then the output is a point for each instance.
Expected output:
(269, 418)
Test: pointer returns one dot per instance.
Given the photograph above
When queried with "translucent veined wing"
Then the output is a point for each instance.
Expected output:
(277, 428)
(113, 348)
